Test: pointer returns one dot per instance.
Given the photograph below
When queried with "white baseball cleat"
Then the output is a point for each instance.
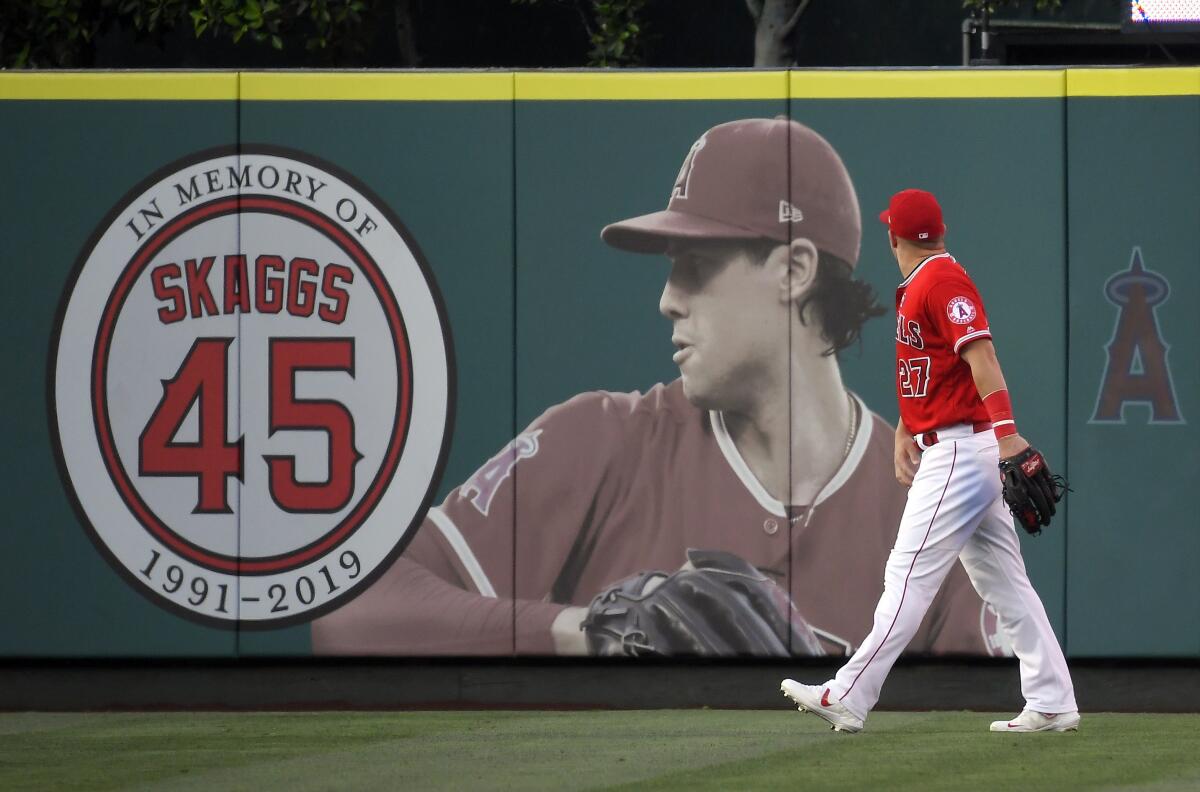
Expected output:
(1030, 721)
(820, 702)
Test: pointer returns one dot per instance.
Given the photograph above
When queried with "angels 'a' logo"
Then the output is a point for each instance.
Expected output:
(482, 488)
(252, 387)
(1137, 371)
(683, 180)
(961, 310)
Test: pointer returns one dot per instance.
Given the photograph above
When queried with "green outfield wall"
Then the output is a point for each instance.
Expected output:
(262, 323)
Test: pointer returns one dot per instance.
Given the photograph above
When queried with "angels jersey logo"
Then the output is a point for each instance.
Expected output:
(251, 387)
(961, 311)
(481, 488)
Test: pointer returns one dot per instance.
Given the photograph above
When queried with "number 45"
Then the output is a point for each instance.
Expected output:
(202, 380)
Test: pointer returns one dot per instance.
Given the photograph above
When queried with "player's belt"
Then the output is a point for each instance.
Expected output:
(952, 432)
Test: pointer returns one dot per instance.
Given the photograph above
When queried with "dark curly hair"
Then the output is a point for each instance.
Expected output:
(842, 303)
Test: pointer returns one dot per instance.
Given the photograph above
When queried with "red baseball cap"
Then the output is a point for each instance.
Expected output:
(915, 215)
(752, 179)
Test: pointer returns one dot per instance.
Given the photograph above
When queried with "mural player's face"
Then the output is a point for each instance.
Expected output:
(728, 323)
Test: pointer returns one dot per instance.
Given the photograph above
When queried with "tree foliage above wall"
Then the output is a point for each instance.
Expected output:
(61, 33)
(498, 33)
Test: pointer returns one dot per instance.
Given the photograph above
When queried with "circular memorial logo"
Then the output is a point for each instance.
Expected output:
(252, 386)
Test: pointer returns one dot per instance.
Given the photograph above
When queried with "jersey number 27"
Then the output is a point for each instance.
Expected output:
(913, 377)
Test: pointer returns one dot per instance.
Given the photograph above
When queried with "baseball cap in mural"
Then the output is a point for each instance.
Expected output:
(750, 179)
(914, 215)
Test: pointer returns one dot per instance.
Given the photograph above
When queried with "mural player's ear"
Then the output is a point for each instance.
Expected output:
(801, 269)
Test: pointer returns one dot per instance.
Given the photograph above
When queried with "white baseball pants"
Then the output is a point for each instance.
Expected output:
(955, 511)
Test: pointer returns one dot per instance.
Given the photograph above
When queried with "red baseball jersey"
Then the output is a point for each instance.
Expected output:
(609, 484)
(938, 312)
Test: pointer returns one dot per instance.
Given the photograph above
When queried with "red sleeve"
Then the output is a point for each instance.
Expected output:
(520, 514)
(412, 611)
(956, 309)
(479, 576)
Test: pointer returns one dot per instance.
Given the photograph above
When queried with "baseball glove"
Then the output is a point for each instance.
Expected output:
(716, 604)
(1030, 489)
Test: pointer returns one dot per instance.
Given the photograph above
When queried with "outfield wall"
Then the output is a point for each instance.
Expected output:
(424, 279)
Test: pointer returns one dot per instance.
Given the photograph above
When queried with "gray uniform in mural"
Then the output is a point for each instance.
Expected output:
(757, 449)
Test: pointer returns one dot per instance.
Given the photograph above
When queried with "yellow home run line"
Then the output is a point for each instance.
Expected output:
(367, 86)
(181, 85)
(600, 85)
(1134, 82)
(649, 85)
(928, 84)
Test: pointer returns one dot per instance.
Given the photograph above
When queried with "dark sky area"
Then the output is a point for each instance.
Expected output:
(685, 34)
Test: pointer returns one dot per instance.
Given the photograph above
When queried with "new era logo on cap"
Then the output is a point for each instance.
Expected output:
(789, 213)
(914, 214)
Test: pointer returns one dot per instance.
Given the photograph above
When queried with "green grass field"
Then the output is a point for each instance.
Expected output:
(660, 749)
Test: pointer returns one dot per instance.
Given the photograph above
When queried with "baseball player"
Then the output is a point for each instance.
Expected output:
(956, 425)
(756, 452)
